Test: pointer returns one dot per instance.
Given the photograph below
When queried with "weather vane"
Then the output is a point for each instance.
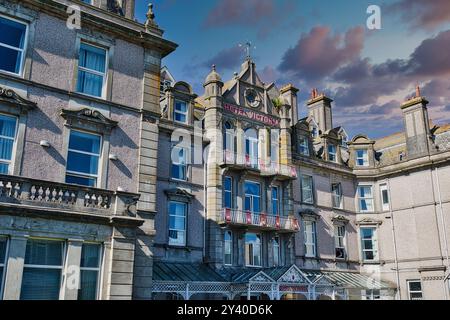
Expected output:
(248, 49)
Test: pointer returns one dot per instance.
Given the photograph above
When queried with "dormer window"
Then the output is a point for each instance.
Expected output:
(315, 132)
(303, 146)
(180, 114)
(332, 153)
(362, 158)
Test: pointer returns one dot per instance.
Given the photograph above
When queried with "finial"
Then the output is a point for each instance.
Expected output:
(248, 48)
(418, 95)
(150, 16)
(214, 67)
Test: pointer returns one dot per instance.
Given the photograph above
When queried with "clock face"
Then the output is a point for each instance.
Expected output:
(252, 98)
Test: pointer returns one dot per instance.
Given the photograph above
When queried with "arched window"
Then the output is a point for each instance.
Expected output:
(229, 138)
(251, 147)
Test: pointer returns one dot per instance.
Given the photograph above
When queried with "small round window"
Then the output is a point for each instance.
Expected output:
(252, 98)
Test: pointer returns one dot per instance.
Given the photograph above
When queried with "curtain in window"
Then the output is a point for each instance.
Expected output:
(7, 135)
(94, 59)
(88, 288)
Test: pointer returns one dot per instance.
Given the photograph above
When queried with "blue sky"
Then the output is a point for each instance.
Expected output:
(323, 44)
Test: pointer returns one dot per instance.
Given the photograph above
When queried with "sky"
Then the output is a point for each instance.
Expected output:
(320, 44)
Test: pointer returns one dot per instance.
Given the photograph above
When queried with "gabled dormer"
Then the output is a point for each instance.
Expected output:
(362, 152)
(302, 141)
(178, 104)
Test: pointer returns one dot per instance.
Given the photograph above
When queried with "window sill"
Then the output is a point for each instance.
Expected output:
(19, 75)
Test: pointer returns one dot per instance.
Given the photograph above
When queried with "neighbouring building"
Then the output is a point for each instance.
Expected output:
(78, 105)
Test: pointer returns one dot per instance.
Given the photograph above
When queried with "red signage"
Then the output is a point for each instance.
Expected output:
(253, 115)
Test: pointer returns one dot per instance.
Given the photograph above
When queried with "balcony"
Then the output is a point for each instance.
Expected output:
(65, 200)
(261, 221)
(265, 167)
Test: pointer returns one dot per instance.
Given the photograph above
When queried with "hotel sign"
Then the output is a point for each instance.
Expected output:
(252, 115)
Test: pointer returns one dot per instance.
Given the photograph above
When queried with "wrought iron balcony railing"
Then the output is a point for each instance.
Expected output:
(259, 220)
(265, 166)
(47, 194)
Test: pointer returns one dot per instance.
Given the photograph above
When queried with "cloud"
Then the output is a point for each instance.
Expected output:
(422, 14)
(318, 53)
(227, 59)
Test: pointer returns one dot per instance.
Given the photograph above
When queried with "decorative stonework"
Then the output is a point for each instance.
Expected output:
(9, 96)
(369, 221)
(89, 116)
(293, 275)
(261, 277)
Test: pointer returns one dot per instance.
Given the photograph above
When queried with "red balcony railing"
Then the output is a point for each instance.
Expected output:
(262, 220)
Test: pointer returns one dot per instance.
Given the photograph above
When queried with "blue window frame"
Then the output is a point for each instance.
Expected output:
(92, 70)
(83, 158)
(8, 129)
(12, 45)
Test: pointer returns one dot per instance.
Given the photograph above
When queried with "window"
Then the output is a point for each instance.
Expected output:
(274, 146)
(339, 237)
(310, 238)
(365, 199)
(90, 271)
(87, 1)
(83, 158)
(276, 201)
(228, 248)
(401, 156)
(180, 113)
(303, 146)
(42, 272)
(384, 197)
(92, 70)
(362, 158)
(415, 290)
(369, 244)
(7, 138)
(332, 153)
(276, 252)
(3, 247)
(251, 148)
(12, 45)
(253, 250)
(228, 193)
(177, 223)
(179, 163)
(228, 141)
(252, 197)
(307, 190)
(314, 132)
(336, 191)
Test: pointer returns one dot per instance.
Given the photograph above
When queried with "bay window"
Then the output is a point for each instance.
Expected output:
(92, 70)
(310, 238)
(8, 132)
(336, 191)
(228, 248)
(307, 189)
(90, 271)
(253, 250)
(42, 272)
(369, 244)
(3, 256)
(13, 36)
(83, 158)
(362, 158)
(365, 199)
(180, 113)
(177, 223)
(339, 237)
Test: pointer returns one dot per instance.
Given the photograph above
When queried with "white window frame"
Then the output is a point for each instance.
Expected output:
(61, 268)
(229, 138)
(371, 199)
(185, 224)
(374, 239)
(332, 153)
(230, 244)
(304, 146)
(412, 292)
(80, 174)
(10, 162)
(23, 51)
(276, 246)
(4, 265)
(340, 239)
(335, 196)
(385, 206)
(364, 158)
(313, 234)
(95, 72)
(175, 111)
(253, 250)
(309, 188)
(253, 198)
(98, 269)
(183, 165)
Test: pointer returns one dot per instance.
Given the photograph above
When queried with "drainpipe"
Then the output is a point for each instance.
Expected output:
(205, 218)
(444, 227)
(397, 270)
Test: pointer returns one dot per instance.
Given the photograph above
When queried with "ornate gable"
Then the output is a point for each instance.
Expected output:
(261, 277)
(323, 281)
(293, 275)
(10, 97)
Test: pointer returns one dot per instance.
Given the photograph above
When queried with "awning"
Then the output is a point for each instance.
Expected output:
(184, 272)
